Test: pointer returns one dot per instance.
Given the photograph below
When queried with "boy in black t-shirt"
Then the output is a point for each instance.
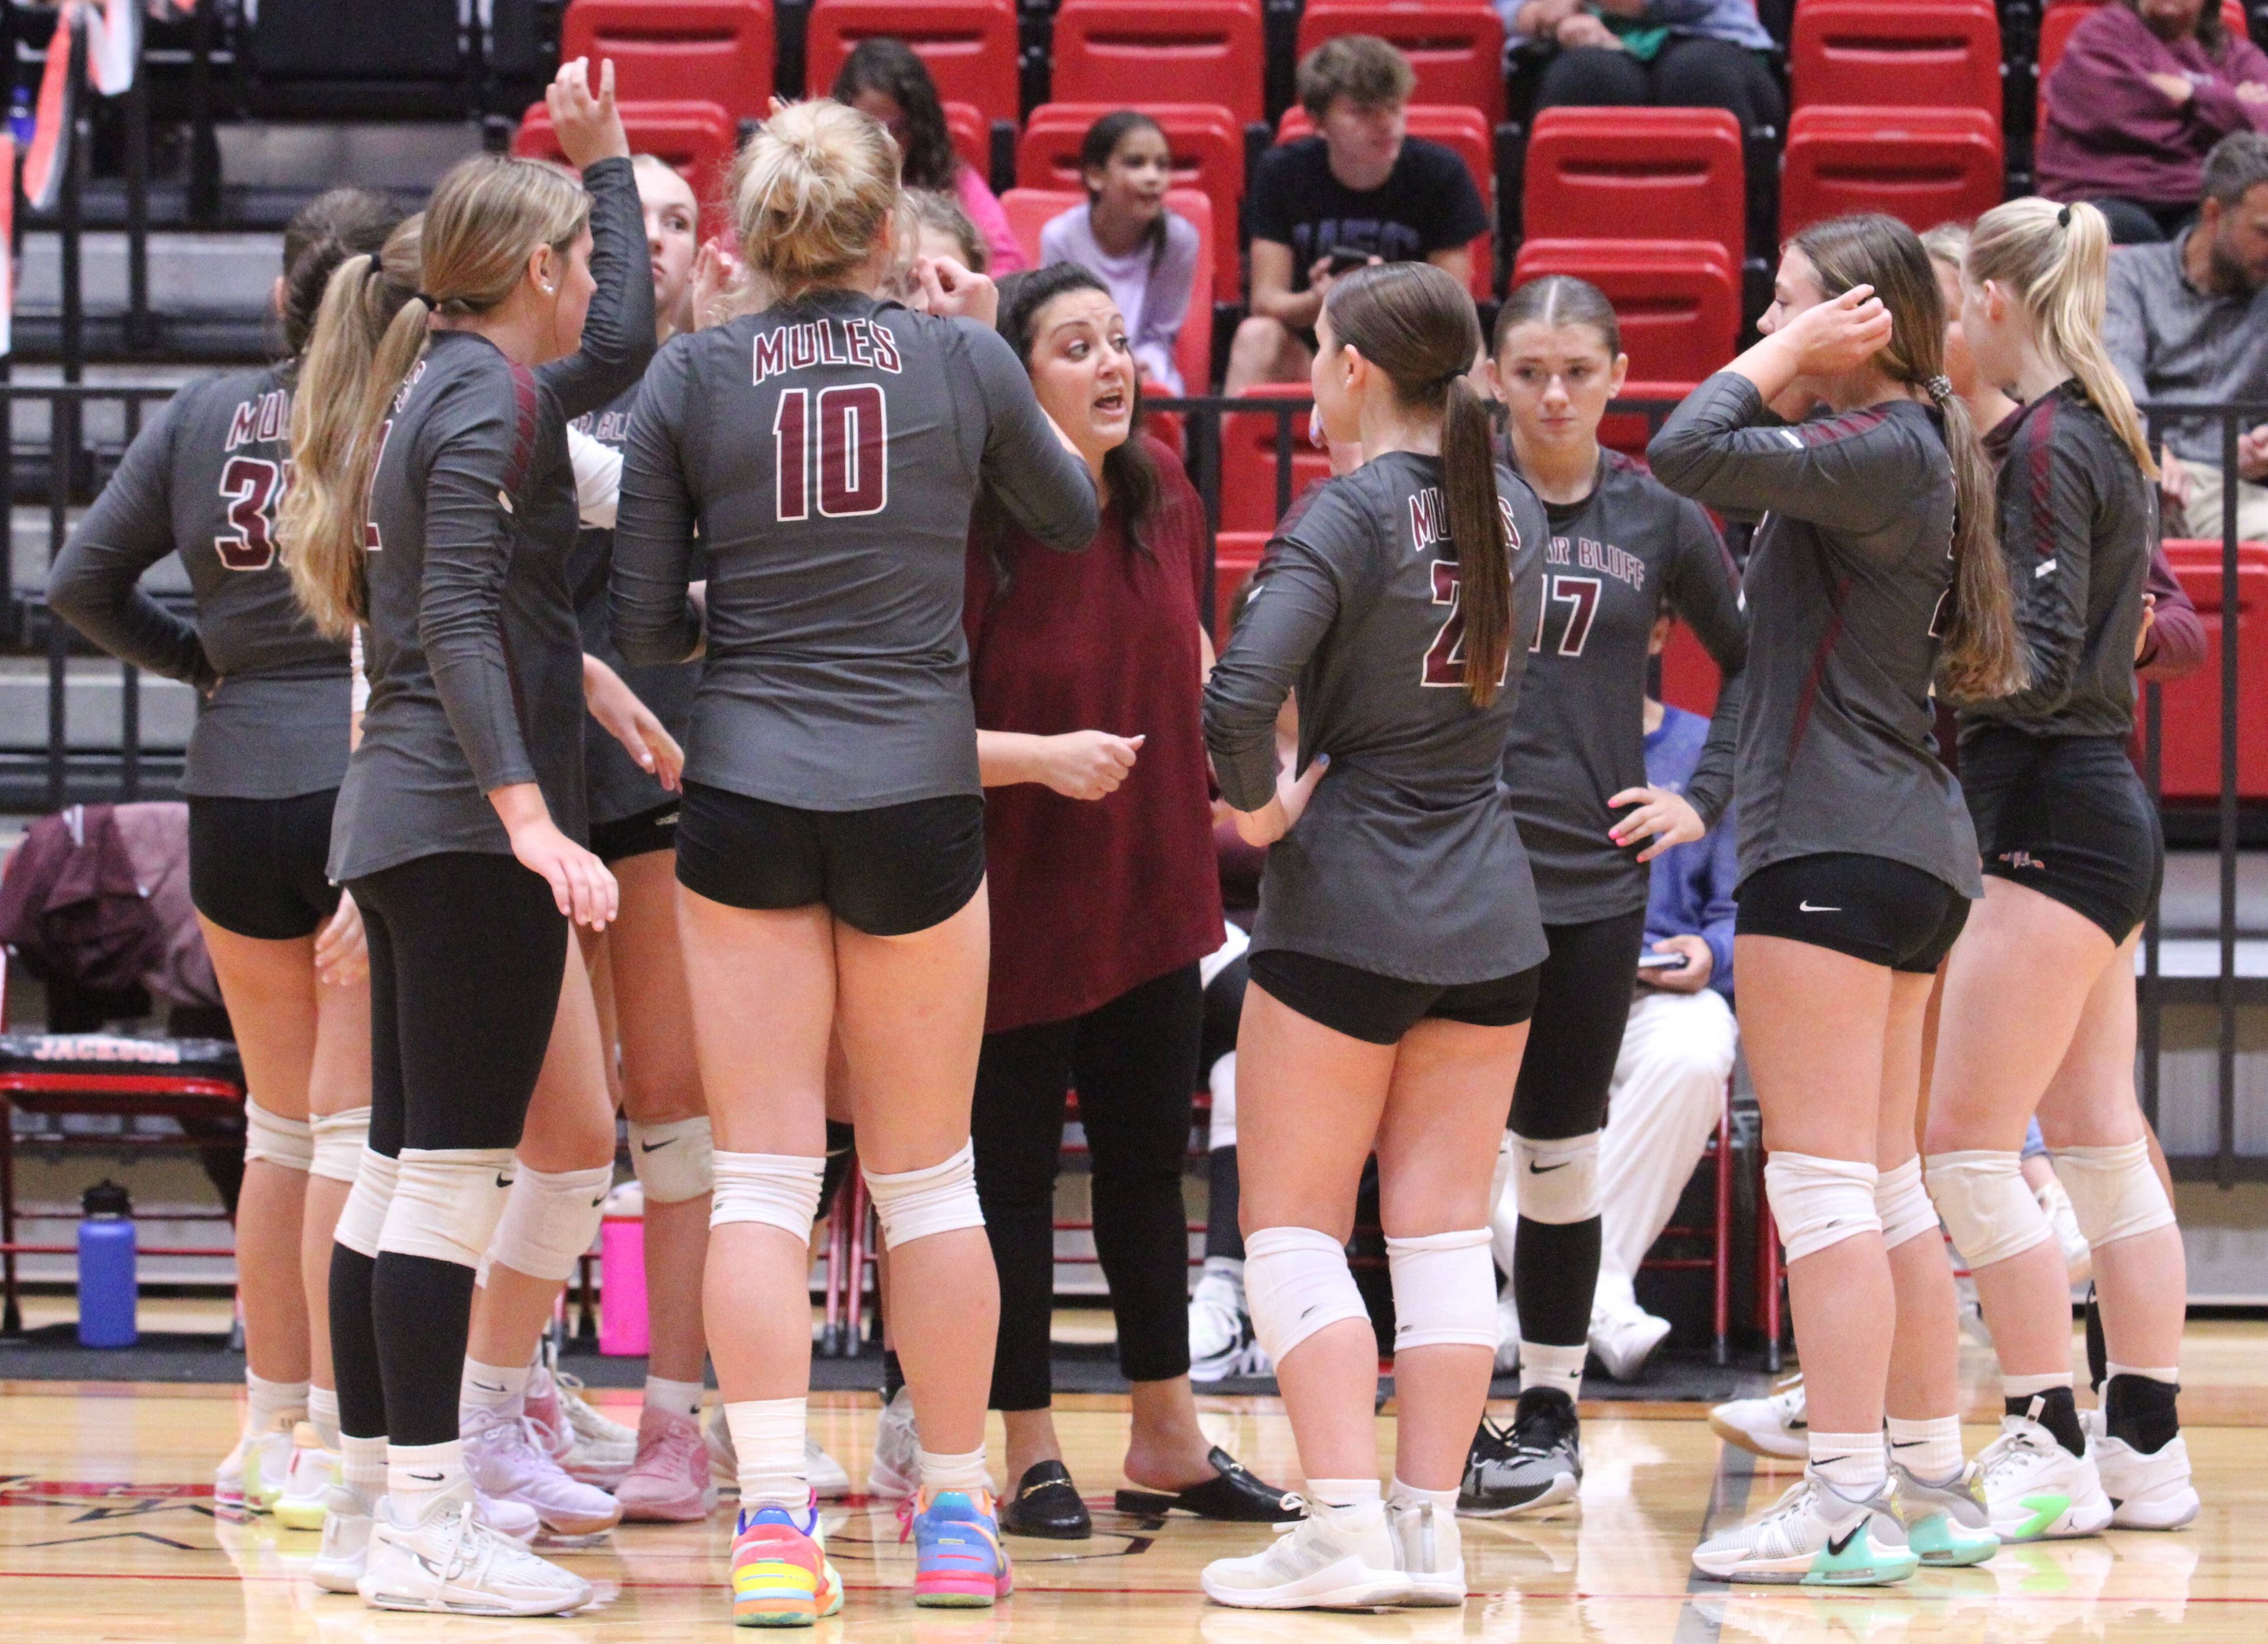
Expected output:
(1359, 192)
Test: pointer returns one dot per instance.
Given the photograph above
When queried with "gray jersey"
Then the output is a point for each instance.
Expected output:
(831, 449)
(1849, 573)
(1408, 860)
(2078, 524)
(1614, 562)
(617, 788)
(475, 659)
(203, 479)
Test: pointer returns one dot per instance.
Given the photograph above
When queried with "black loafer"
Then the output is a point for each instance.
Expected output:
(1046, 1505)
(1233, 1496)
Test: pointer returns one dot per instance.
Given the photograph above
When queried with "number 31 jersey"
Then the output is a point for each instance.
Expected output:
(1408, 859)
(205, 478)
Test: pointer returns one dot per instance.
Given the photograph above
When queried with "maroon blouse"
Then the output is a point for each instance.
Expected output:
(1092, 898)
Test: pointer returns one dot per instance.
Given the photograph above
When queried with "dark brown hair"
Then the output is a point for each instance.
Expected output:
(335, 225)
(1558, 300)
(895, 70)
(1415, 323)
(1981, 656)
(1361, 68)
(1102, 142)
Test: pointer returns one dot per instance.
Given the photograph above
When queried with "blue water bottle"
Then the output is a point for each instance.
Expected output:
(107, 1289)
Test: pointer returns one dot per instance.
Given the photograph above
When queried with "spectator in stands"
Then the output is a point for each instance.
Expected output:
(1677, 1052)
(2188, 321)
(941, 229)
(1360, 191)
(2144, 89)
(885, 78)
(1146, 253)
(1674, 53)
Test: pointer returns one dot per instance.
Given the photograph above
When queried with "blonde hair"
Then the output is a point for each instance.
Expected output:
(487, 218)
(1947, 243)
(813, 192)
(2055, 260)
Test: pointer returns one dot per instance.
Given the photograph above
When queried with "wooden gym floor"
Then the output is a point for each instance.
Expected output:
(108, 1534)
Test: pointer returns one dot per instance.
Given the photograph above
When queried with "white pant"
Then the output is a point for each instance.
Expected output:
(1669, 1090)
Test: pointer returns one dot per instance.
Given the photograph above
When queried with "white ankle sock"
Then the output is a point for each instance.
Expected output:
(1410, 1495)
(2029, 1386)
(680, 1398)
(1929, 1449)
(1340, 1499)
(323, 1414)
(2170, 1375)
(1853, 1463)
(1544, 1365)
(944, 1469)
(362, 1464)
(273, 1401)
(487, 1387)
(416, 1473)
(768, 1438)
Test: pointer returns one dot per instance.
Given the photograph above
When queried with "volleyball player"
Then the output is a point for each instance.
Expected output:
(1622, 549)
(2073, 862)
(1395, 959)
(830, 849)
(265, 757)
(1876, 568)
(458, 822)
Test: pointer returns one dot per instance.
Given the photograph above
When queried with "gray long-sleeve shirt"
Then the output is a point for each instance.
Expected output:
(203, 479)
(1408, 859)
(1849, 571)
(831, 449)
(474, 659)
(1614, 562)
(2174, 343)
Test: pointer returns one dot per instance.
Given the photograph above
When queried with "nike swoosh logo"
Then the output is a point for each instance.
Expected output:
(485, 1387)
(1535, 1169)
(1805, 907)
(503, 1180)
(598, 1202)
(1837, 1544)
(656, 1146)
(427, 1477)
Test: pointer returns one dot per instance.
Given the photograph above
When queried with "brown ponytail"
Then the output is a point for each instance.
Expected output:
(1416, 324)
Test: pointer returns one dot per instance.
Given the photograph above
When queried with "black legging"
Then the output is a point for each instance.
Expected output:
(1134, 1063)
(1582, 1002)
(467, 950)
(1223, 1009)
(1686, 73)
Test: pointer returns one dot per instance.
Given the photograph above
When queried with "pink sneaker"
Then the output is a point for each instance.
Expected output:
(669, 1482)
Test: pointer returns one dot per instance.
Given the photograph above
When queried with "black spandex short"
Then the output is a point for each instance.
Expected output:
(641, 835)
(888, 871)
(2065, 816)
(256, 865)
(1885, 912)
(1582, 999)
(1378, 1009)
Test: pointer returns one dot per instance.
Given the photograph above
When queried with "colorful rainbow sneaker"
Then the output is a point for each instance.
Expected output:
(781, 1575)
(959, 1562)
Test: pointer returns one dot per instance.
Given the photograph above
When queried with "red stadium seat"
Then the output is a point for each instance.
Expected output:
(1689, 676)
(2191, 752)
(1606, 173)
(1203, 51)
(1923, 165)
(1028, 211)
(1933, 54)
(1248, 461)
(1208, 149)
(972, 136)
(2062, 16)
(969, 46)
(1679, 301)
(679, 51)
(1455, 46)
(1462, 130)
(1235, 557)
(697, 138)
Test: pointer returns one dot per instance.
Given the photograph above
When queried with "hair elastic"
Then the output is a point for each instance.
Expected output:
(427, 297)
(1939, 388)
(2063, 217)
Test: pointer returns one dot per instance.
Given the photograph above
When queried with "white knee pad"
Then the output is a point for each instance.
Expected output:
(1819, 1202)
(339, 1139)
(1987, 1205)
(1296, 1281)
(914, 1203)
(1559, 1182)
(362, 1218)
(1222, 1082)
(2114, 1192)
(289, 1143)
(675, 1162)
(550, 1217)
(446, 1201)
(778, 1190)
(1904, 1203)
(1444, 1290)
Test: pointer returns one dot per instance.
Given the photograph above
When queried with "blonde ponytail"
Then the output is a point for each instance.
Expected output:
(813, 193)
(2055, 260)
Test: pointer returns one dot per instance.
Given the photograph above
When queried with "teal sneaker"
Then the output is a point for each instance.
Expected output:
(959, 1562)
(1814, 1536)
(1945, 1524)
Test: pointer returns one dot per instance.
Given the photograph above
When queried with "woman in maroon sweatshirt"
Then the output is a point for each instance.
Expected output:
(2143, 90)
